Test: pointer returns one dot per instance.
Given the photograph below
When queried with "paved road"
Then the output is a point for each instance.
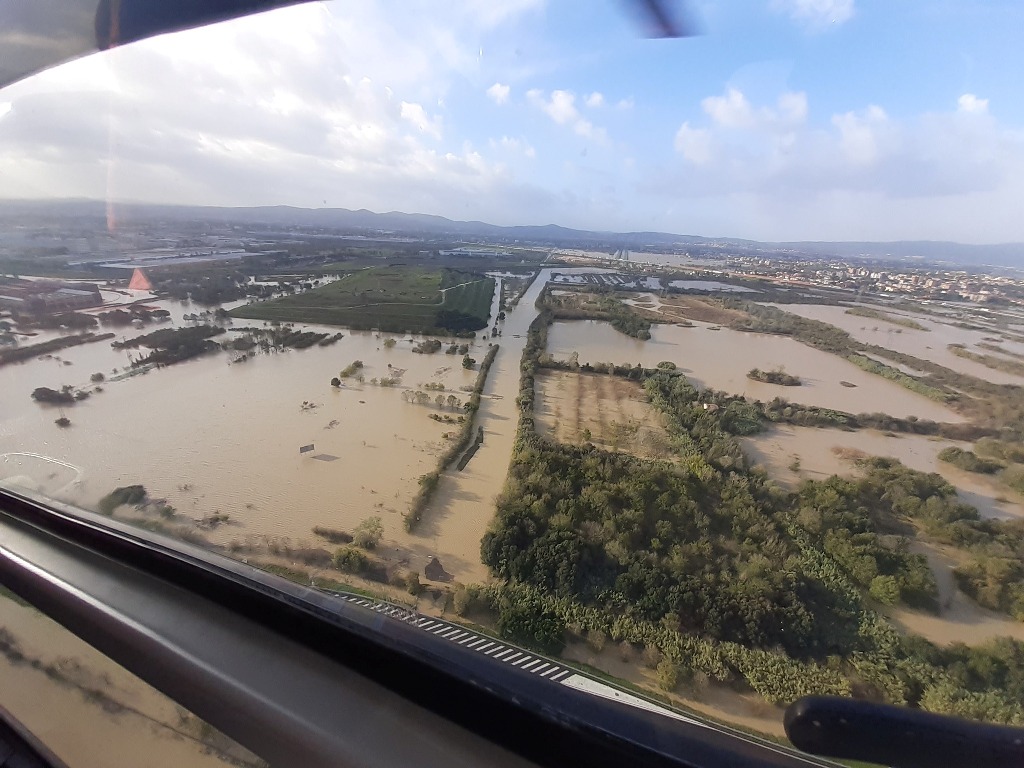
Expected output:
(559, 674)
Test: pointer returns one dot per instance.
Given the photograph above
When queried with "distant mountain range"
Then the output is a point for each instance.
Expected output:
(345, 221)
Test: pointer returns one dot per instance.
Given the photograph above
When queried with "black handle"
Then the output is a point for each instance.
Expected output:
(899, 736)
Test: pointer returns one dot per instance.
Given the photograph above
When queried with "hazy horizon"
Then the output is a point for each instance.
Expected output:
(525, 225)
(788, 120)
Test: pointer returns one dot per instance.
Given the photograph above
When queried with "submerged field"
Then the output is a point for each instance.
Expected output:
(720, 359)
(413, 300)
(610, 412)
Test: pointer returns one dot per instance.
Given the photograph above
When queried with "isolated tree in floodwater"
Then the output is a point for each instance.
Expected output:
(368, 533)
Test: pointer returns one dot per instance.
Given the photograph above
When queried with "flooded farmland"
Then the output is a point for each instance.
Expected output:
(793, 454)
(220, 439)
(610, 412)
(927, 345)
(720, 359)
(216, 438)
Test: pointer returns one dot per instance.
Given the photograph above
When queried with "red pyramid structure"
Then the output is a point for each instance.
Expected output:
(139, 282)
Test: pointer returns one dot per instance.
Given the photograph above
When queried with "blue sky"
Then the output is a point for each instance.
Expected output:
(785, 119)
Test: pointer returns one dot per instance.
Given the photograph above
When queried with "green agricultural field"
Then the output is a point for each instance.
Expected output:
(393, 299)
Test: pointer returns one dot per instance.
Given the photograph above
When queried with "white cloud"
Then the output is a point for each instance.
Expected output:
(625, 104)
(514, 145)
(694, 144)
(596, 99)
(498, 93)
(859, 134)
(231, 115)
(587, 129)
(416, 115)
(561, 107)
(971, 104)
(816, 14)
(733, 110)
(862, 175)
(862, 154)
(792, 108)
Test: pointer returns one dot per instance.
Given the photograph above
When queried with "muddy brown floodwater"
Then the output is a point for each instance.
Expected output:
(720, 359)
(825, 452)
(928, 345)
(463, 504)
(216, 438)
(219, 439)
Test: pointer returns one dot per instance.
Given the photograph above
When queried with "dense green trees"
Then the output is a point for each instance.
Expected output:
(774, 377)
(459, 322)
(62, 396)
(368, 533)
(969, 461)
(622, 317)
(174, 345)
(846, 518)
(715, 572)
(631, 324)
(708, 549)
(528, 621)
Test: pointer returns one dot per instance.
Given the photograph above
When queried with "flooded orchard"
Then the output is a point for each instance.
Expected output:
(720, 359)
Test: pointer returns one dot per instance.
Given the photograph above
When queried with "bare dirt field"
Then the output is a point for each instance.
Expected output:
(608, 411)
